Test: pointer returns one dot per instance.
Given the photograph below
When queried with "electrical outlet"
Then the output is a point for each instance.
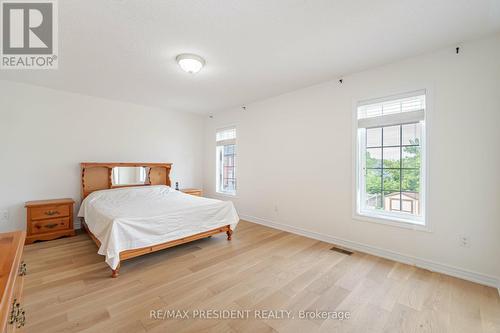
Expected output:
(276, 209)
(4, 216)
(464, 241)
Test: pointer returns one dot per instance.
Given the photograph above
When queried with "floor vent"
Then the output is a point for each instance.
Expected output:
(338, 249)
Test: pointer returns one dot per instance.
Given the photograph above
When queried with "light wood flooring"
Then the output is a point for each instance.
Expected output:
(68, 288)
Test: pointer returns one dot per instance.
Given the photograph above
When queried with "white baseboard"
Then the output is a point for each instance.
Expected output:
(379, 252)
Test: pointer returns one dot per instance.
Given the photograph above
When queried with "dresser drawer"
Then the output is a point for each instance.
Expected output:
(44, 226)
(49, 212)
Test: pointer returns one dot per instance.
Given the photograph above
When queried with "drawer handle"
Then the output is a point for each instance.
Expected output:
(21, 318)
(23, 269)
(51, 212)
(17, 315)
(14, 312)
(52, 225)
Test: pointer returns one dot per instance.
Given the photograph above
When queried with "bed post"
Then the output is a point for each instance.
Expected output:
(229, 232)
(114, 272)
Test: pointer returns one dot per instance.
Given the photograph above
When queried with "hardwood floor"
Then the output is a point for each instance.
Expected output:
(68, 288)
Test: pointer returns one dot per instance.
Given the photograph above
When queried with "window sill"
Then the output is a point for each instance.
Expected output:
(225, 194)
(395, 222)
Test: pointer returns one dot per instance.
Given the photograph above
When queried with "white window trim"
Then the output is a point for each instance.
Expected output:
(357, 159)
(224, 193)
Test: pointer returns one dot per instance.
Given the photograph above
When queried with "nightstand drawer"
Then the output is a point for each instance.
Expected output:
(38, 227)
(49, 212)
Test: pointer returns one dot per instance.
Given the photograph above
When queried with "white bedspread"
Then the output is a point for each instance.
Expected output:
(134, 217)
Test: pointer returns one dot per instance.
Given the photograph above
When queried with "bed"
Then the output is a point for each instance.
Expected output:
(130, 221)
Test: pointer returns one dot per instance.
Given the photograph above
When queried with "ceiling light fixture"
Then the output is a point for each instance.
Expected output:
(190, 63)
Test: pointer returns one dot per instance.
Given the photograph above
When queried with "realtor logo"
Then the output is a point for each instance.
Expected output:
(29, 34)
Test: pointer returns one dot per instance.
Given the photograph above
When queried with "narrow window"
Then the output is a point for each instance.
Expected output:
(226, 161)
(390, 158)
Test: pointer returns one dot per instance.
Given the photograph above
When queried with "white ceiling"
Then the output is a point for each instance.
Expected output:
(125, 49)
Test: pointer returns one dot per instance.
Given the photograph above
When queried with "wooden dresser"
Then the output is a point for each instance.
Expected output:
(12, 271)
(49, 219)
(193, 191)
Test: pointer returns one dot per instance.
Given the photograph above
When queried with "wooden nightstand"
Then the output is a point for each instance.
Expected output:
(49, 219)
(192, 191)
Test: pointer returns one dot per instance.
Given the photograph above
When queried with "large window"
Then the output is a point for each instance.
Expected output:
(226, 161)
(390, 158)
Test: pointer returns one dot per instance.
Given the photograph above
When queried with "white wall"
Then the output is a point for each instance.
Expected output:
(295, 152)
(45, 134)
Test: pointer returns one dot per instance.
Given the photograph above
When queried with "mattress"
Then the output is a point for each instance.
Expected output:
(135, 217)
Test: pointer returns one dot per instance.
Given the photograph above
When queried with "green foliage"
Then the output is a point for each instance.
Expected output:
(391, 174)
(373, 181)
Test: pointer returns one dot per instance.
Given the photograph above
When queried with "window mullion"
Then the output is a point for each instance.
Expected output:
(400, 167)
(382, 195)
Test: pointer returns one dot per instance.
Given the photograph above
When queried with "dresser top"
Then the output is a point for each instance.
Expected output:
(49, 202)
(190, 190)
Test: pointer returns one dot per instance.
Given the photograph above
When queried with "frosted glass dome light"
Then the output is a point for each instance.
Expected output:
(190, 63)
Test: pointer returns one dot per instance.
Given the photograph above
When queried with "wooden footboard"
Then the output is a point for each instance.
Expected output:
(129, 254)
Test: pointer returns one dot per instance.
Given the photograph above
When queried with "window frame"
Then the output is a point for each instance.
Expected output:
(218, 190)
(392, 218)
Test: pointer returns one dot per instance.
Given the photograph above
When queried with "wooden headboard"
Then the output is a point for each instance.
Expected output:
(98, 176)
